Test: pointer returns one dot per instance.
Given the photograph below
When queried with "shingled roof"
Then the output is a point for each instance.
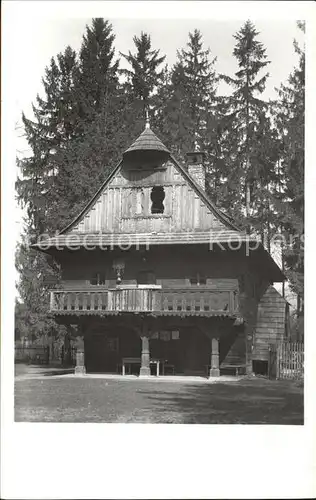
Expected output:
(147, 141)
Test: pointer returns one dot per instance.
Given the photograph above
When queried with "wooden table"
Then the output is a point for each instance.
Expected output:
(137, 361)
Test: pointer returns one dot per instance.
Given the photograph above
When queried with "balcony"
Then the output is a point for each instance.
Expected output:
(137, 300)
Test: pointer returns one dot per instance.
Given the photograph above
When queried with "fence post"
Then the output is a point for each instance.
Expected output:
(290, 360)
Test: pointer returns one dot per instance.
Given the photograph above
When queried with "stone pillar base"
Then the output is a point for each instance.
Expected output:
(144, 371)
(80, 370)
(249, 370)
(214, 372)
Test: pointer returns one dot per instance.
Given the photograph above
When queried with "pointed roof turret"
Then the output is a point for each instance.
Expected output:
(147, 141)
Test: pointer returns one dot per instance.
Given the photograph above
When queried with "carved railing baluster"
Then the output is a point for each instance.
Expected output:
(195, 300)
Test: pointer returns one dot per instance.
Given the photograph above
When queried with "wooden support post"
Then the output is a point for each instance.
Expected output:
(52, 301)
(249, 369)
(80, 368)
(214, 371)
(145, 355)
(67, 346)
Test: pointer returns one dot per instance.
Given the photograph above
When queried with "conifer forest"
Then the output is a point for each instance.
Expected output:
(93, 107)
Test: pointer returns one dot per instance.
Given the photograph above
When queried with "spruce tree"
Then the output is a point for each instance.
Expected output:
(141, 81)
(200, 84)
(144, 75)
(98, 70)
(290, 115)
(187, 111)
(49, 131)
(87, 159)
(243, 116)
(74, 121)
(37, 274)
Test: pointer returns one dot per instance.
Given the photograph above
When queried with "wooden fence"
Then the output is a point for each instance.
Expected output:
(286, 360)
(44, 355)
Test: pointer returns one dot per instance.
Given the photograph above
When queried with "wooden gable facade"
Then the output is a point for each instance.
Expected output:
(125, 205)
(152, 278)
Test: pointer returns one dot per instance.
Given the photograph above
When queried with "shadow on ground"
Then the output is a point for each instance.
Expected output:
(26, 370)
(71, 399)
(244, 402)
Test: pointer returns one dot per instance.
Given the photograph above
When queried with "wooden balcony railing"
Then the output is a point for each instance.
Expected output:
(190, 301)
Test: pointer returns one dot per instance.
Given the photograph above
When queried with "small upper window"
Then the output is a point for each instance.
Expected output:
(157, 197)
(146, 278)
(98, 279)
(198, 280)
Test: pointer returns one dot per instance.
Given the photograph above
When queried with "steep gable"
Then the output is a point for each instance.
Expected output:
(124, 204)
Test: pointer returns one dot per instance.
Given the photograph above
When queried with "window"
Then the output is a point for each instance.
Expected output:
(112, 344)
(157, 197)
(146, 278)
(98, 279)
(166, 336)
(198, 280)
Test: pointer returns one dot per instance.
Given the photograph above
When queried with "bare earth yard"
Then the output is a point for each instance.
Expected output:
(70, 399)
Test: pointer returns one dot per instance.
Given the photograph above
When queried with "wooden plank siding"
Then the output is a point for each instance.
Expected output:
(270, 326)
(117, 210)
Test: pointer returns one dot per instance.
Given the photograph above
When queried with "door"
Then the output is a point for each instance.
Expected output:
(272, 363)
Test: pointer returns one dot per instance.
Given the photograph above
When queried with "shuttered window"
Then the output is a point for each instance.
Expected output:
(198, 280)
(98, 279)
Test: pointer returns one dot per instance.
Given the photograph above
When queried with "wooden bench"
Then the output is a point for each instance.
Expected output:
(168, 367)
(238, 367)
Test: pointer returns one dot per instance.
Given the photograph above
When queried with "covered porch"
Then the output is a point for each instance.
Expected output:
(147, 346)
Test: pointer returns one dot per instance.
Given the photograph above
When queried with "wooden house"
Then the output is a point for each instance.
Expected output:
(156, 278)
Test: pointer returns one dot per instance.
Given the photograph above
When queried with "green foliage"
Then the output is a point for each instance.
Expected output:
(38, 273)
(186, 110)
(289, 113)
(74, 137)
(47, 134)
(144, 75)
(97, 78)
(244, 122)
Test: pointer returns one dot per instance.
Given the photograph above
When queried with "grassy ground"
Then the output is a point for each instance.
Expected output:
(69, 399)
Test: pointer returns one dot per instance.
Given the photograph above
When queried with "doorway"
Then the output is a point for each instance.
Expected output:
(102, 353)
